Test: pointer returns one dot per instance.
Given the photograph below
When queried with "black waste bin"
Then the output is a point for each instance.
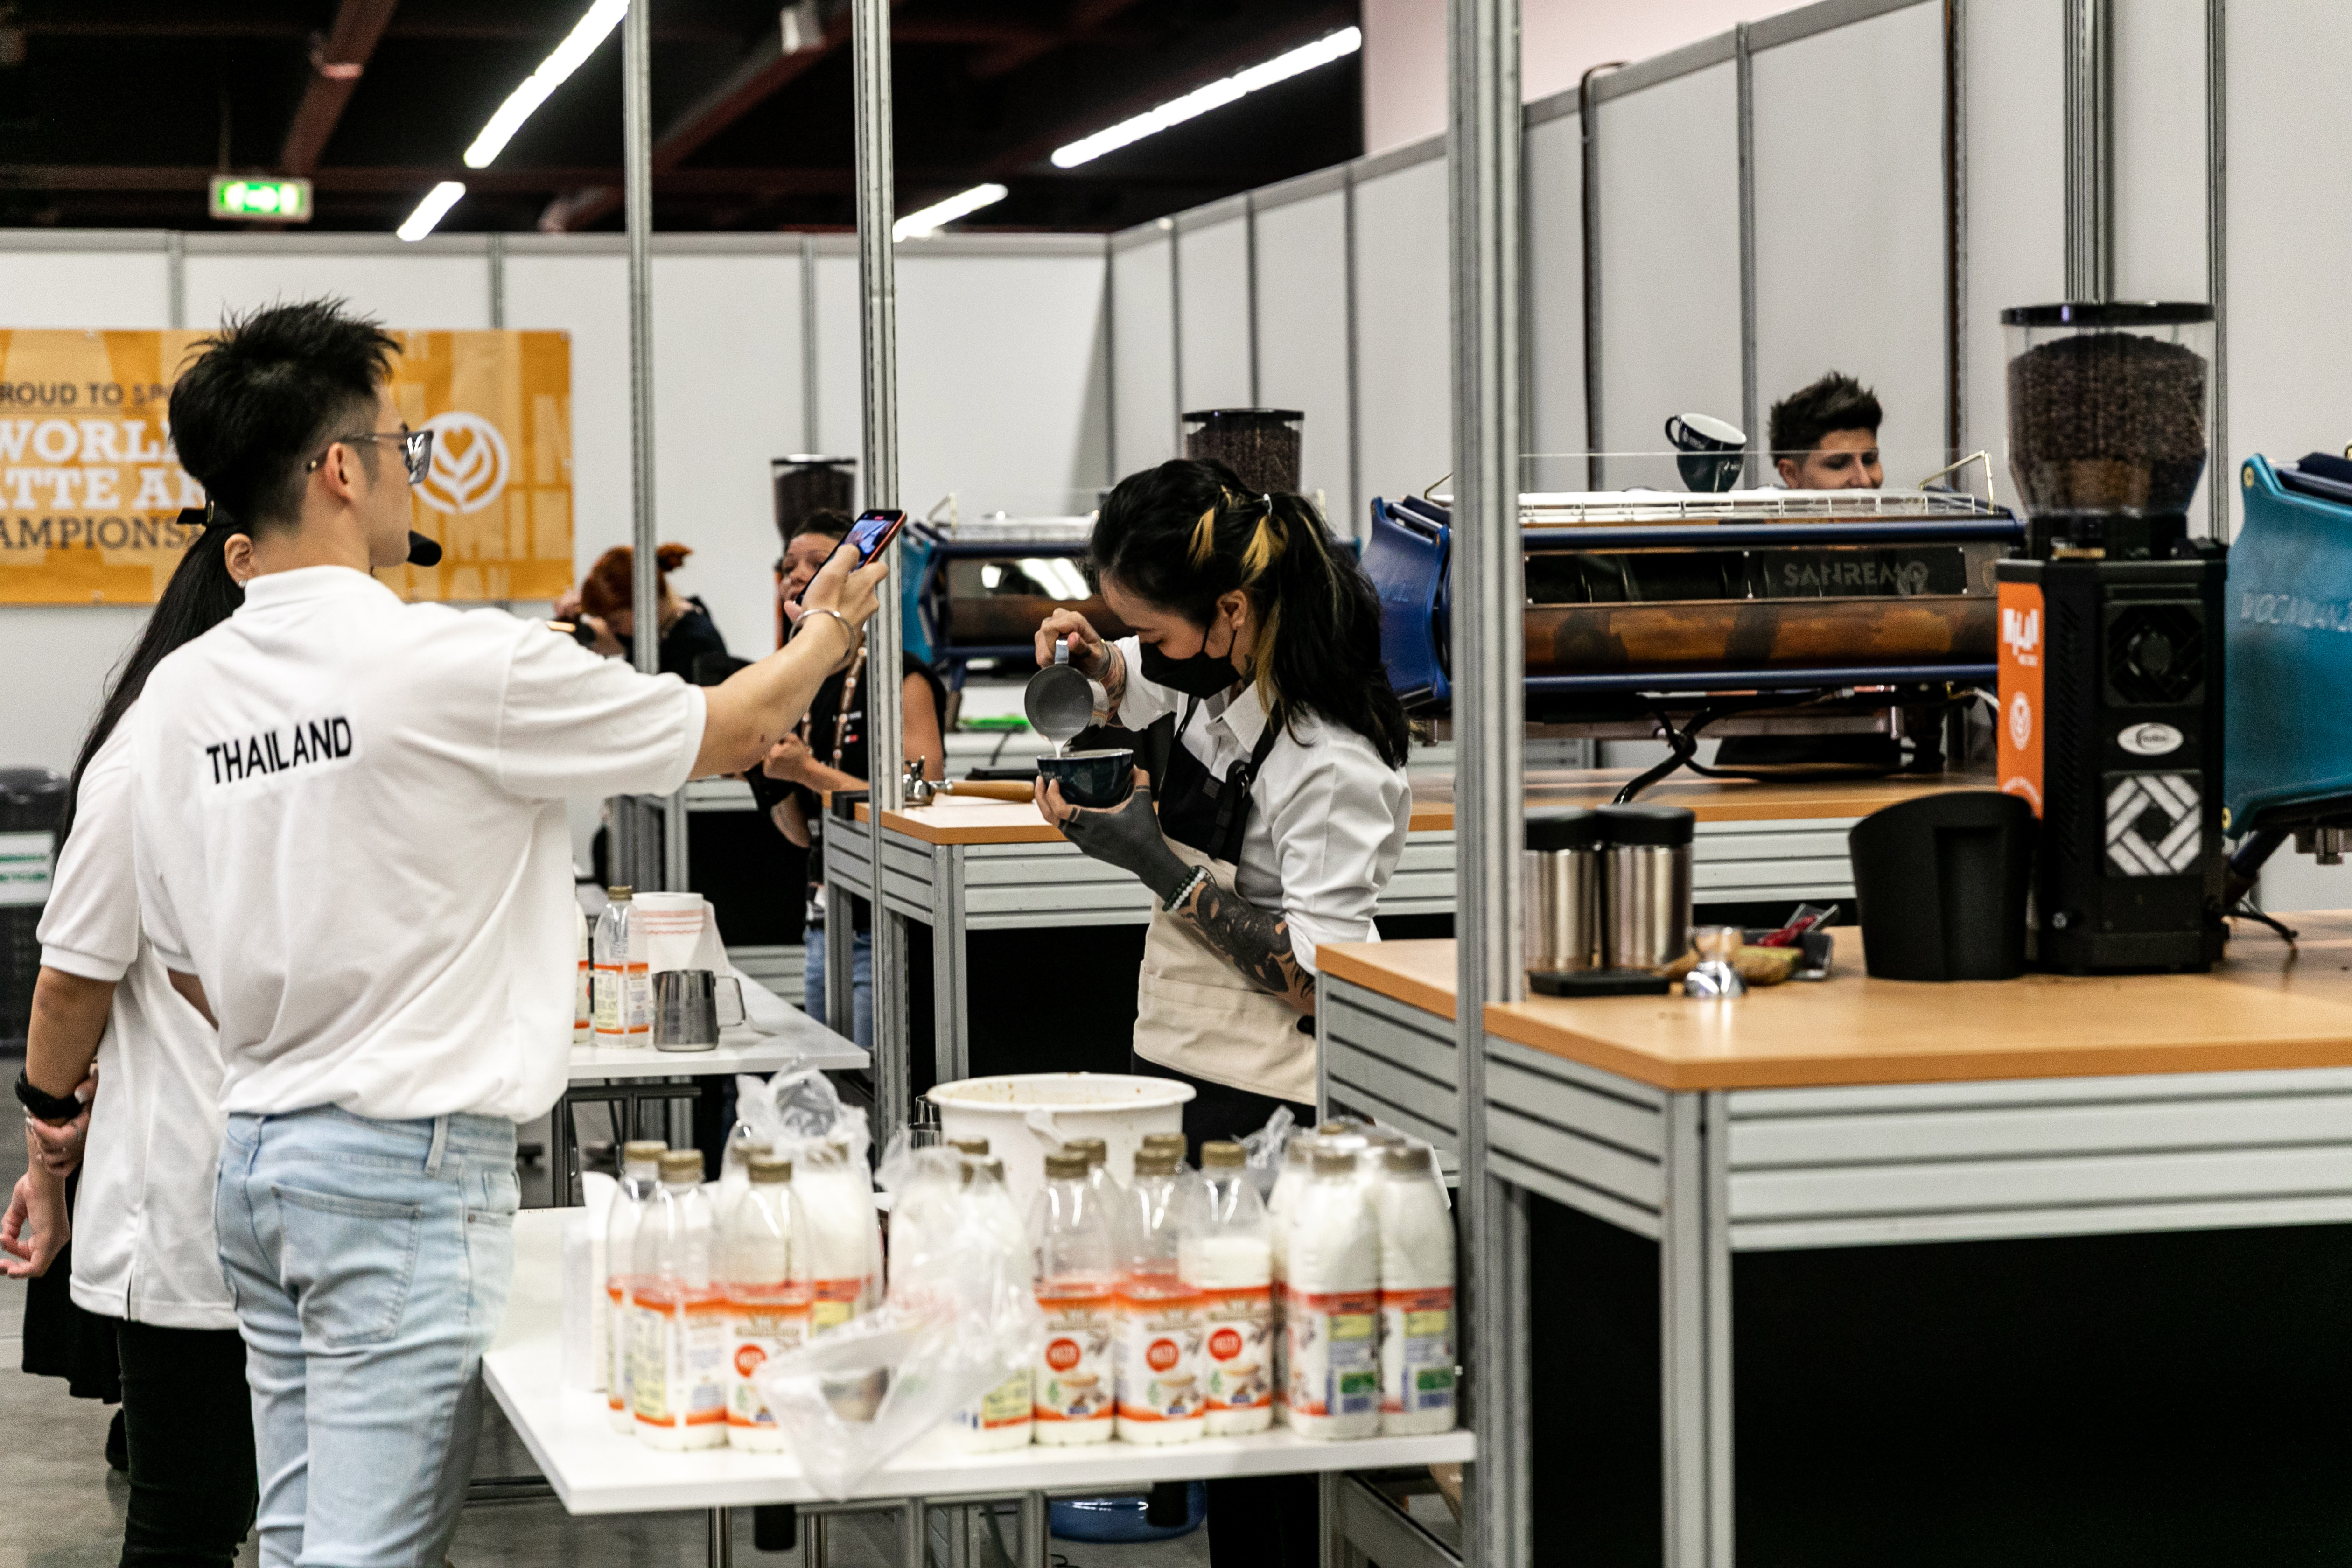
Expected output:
(1942, 883)
(31, 802)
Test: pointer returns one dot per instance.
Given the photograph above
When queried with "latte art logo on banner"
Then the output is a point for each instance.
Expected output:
(469, 463)
(91, 487)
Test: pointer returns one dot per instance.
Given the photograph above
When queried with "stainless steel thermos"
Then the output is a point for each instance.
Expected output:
(1645, 885)
(1560, 885)
(1606, 889)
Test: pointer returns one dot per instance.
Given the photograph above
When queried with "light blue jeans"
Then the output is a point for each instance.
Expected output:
(370, 1262)
(861, 973)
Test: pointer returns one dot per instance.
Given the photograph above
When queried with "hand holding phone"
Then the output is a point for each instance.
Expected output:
(872, 531)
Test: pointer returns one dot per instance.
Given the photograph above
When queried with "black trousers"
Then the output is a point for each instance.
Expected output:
(1216, 1111)
(1270, 1521)
(189, 1419)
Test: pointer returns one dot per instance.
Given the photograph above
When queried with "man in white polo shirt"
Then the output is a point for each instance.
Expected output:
(353, 853)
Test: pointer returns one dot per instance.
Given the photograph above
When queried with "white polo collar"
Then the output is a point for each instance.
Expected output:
(274, 589)
(1244, 717)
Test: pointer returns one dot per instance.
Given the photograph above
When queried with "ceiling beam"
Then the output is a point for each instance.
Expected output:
(335, 68)
(443, 27)
(1085, 16)
(408, 179)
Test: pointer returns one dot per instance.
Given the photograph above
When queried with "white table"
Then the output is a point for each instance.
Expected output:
(775, 1036)
(594, 1470)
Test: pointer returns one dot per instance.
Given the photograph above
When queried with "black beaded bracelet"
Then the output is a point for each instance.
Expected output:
(43, 1106)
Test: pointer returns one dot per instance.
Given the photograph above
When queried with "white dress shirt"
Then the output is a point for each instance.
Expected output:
(143, 1213)
(1327, 817)
(350, 826)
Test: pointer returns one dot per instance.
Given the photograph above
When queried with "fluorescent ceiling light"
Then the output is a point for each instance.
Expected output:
(1216, 95)
(431, 210)
(938, 215)
(569, 57)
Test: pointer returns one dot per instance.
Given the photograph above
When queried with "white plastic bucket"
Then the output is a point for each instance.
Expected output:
(1024, 1116)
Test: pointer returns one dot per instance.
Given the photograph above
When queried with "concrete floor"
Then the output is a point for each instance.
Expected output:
(66, 1505)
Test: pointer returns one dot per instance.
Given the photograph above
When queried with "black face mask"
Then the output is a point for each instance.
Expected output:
(1203, 675)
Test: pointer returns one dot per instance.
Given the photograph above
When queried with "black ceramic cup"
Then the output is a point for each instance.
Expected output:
(1095, 779)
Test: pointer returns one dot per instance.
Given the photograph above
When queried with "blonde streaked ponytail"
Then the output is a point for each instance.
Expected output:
(1182, 535)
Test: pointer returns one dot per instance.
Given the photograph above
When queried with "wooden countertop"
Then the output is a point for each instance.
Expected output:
(949, 820)
(2265, 1006)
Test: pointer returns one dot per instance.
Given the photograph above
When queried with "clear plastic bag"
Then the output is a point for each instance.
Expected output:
(1264, 1150)
(799, 1115)
(960, 1317)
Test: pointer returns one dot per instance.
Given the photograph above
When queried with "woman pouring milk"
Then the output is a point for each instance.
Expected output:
(1265, 728)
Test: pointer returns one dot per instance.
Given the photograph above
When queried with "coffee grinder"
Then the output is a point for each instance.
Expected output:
(2111, 635)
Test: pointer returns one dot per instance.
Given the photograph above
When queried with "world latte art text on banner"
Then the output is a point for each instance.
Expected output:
(91, 488)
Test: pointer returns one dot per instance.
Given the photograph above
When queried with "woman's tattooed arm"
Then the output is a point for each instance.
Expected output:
(1114, 684)
(1253, 941)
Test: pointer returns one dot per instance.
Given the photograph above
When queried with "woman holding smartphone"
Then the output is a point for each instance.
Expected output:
(828, 752)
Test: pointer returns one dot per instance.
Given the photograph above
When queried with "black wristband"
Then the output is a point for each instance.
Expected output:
(43, 1106)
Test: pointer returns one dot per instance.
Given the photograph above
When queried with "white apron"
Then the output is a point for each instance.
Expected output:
(1194, 1011)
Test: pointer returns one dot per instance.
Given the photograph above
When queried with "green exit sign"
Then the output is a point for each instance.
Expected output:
(286, 201)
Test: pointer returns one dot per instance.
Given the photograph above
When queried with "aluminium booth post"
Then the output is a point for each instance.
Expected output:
(1483, 148)
(638, 854)
(879, 332)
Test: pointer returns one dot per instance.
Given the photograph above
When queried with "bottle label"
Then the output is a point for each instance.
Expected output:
(1416, 1350)
(1334, 1352)
(1281, 1293)
(759, 1329)
(1006, 1405)
(1074, 1378)
(1238, 1350)
(1161, 1339)
(583, 1006)
(834, 1302)
(617, 1346)
(624, 1000)
(677, 1363)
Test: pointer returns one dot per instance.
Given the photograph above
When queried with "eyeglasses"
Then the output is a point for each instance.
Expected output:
(415, 449)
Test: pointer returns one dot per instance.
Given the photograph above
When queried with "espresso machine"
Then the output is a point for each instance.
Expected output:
(2290, 657)
(2111, 643)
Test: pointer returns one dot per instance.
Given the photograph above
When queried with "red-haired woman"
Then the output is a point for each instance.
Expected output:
(605, 604)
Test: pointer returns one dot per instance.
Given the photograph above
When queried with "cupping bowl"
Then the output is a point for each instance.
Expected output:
(1091, 778)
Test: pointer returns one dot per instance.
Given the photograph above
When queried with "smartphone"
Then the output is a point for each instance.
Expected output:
(873, 530)
(869, 533)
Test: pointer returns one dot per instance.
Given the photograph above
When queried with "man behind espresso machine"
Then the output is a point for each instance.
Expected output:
(351, 852)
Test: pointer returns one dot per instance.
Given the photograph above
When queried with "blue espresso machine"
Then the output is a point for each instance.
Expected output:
(2289, 662)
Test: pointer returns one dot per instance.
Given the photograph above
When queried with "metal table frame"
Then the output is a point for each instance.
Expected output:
(1711, 1173)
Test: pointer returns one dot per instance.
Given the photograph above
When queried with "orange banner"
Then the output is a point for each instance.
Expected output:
(91, 489)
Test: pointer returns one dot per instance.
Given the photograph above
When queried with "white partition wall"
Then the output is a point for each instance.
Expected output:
(1303, 331)
(1143, 347)
(726, 397)
(2290, 232)
(1213, 307)
(1849, 219)
(98, 277)
(1003, 374)
(2159, 142)
(2016, 75)
(1404, 376)
(1553, 173)
(1668, 134)
(442, 283)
